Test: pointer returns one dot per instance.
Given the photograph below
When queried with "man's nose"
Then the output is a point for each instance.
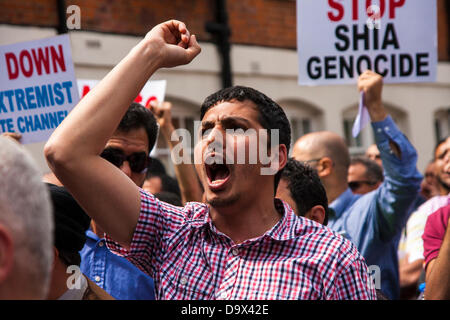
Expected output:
(215, 135)
(125, 167)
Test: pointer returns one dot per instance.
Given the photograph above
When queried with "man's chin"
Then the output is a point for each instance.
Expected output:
(444, 184)
(221, 202)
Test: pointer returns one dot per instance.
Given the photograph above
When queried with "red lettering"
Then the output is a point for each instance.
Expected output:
(23, 54)
(340, 10)
(371, 14)
(394, 4)
(86, 89)
(58, 58)
(41, 59)
(10, 57)
(138, 98)
(355, 9)
(149, 100)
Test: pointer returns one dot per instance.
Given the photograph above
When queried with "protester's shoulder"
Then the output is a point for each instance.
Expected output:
(323, 240)
(439, 216)
(433, 204)
(362, 203)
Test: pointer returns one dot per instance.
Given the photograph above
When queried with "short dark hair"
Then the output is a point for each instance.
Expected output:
(437, 146)
(271, 115)
(168, 183)
(169, 197)
(69, 258)
(305, 186)
(374, 172)
(155, 166)
(137, 116)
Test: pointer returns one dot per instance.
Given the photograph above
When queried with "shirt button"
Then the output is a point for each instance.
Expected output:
(235, 252)
(379, 130)
(224, 295)
(386, 128)
(97, 279)
(183, 280)
(101, 244)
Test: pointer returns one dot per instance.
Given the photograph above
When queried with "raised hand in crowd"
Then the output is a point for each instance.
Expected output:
(190, 187)
(89, 126)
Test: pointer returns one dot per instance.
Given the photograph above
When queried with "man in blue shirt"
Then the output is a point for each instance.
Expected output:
(128, 149)
(373, 222)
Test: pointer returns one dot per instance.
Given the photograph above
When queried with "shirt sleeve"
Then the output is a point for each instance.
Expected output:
(434, 233)
(414, 232)
(157, 221)
(401, 185)
(353, 280)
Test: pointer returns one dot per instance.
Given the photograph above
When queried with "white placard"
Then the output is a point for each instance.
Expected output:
(37, 87)
(339, 39)
(153, 90)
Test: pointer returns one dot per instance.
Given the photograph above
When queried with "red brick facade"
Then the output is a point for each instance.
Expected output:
(253, 22)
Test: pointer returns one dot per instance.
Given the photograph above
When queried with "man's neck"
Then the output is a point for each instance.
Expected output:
(334, 190)
(246, 219)
(97, 229)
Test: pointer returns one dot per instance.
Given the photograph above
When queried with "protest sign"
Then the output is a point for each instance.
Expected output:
(152, 91)
(37, 87)
(339, 39)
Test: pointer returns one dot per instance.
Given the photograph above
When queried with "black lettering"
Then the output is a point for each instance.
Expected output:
(359, 62)
(390, 37)
(404, 72)
(377, 67)
(375, 39)
(420, 63)
(317, 69)
(340, 33)
(360, 36)
(344, 67)
(329, 67)
(393, 66)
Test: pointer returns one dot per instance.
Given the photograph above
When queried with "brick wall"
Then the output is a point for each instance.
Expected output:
(253, 22)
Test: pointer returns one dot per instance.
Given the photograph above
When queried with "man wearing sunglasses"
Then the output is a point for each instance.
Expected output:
(373, 221)
(364, 175)
(127, 149)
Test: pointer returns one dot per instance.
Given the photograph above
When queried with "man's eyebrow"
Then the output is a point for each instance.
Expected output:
(235, 119)
(231, 119)
(443, 153)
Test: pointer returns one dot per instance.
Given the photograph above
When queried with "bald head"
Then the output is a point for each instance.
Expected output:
(321, 144)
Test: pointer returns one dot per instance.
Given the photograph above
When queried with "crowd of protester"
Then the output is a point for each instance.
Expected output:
(109, 222)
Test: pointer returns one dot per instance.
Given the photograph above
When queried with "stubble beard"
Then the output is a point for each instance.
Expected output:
(223, 202)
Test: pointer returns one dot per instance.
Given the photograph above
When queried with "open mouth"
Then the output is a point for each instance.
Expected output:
(218, 174)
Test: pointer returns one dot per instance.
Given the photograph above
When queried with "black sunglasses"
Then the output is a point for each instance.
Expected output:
(357, 184)
(138, 161)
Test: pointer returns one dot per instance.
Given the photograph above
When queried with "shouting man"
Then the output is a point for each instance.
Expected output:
(242, 244)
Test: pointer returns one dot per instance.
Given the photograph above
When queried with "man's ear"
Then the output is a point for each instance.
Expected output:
(278, 160)
(325, 167)
(316, 213)
(6, 253)
(282, 156)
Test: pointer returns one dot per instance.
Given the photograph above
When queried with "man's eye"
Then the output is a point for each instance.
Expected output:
(204, 132)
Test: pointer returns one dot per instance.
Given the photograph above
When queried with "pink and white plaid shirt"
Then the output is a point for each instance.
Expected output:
(190, 259)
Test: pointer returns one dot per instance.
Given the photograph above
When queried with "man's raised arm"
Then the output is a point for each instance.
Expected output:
(402, 180)
(73, 150)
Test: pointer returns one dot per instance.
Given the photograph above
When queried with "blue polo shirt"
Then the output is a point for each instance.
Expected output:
(374, 221)
(115, 274)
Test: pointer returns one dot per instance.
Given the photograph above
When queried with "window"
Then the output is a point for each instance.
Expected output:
(442, 124)
(303, 117)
